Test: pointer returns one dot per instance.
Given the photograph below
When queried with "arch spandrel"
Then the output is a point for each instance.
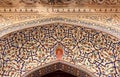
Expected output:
(26, 49)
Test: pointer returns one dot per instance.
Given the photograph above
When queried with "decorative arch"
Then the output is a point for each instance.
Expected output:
(85, 23)
(59, 65)
(23, 50)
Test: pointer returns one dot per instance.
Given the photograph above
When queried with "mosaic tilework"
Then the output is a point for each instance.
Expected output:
(26, 49)
(58, 66)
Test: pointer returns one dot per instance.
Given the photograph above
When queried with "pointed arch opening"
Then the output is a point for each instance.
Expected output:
(59, 66)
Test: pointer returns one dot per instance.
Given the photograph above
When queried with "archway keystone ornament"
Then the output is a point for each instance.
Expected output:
(59, 53)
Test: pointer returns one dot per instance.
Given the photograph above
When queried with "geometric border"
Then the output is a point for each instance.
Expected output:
(59, 65)
(84, 23)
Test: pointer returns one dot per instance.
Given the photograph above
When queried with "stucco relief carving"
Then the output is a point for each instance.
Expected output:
(29, 1)
(107, 2)
(59, 2)
(109, 22)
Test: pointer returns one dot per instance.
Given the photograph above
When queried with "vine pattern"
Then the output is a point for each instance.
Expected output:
(26, 49)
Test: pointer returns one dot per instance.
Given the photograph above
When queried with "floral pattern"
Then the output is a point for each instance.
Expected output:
(23, 50)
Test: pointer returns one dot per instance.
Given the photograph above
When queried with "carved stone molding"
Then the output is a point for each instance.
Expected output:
(58, 2)
(59, 65)
(61, 10)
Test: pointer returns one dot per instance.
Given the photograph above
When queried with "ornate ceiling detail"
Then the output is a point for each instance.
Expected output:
(29, 46)
(23, 50)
